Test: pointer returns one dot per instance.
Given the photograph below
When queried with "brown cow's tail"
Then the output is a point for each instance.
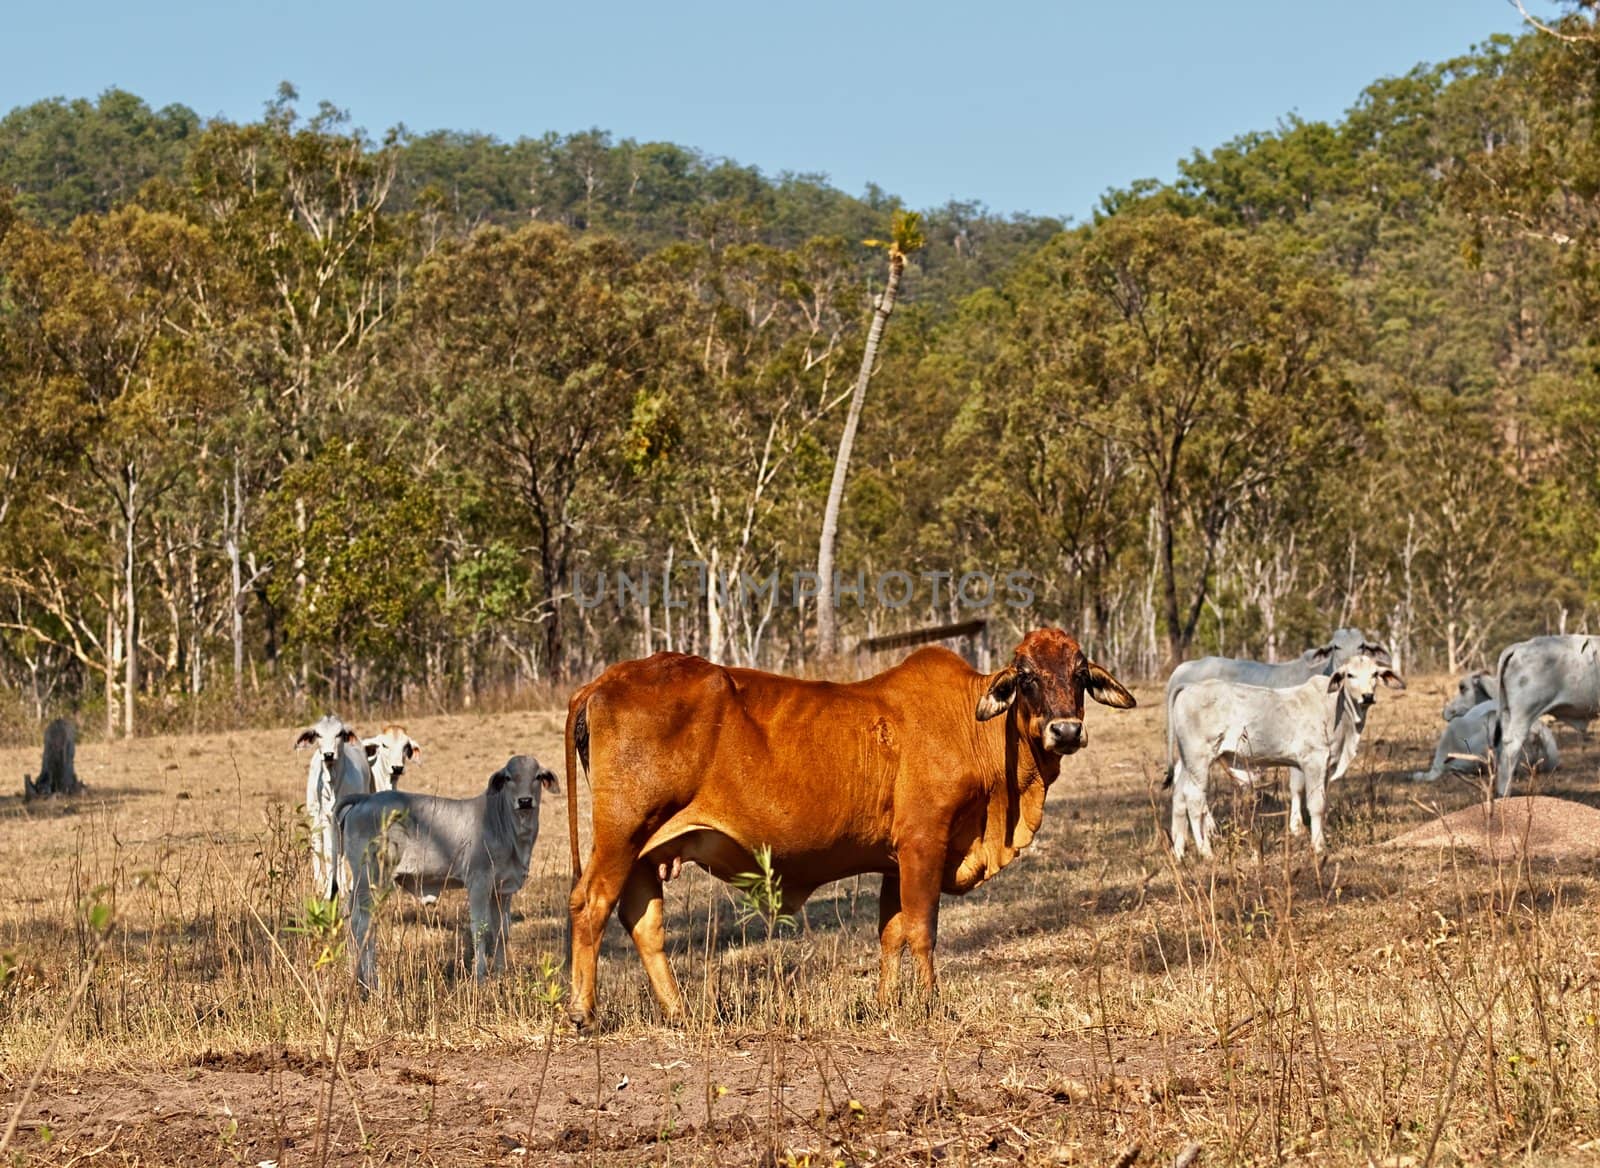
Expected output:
(577, 749)
(577, 744)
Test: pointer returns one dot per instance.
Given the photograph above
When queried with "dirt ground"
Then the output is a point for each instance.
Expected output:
(1377, 1007)
(1533, 825)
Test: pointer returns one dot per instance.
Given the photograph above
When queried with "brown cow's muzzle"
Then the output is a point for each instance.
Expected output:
(1064, 735)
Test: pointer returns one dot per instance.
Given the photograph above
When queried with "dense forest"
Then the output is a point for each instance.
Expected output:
(298, 416)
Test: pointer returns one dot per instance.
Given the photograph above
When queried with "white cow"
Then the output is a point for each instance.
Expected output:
(1467, 744)
(388, 754)
(338, 768)
(425, 844)
(1313, 729)
(1559, 676)
(1320, 661)
(1471, 691)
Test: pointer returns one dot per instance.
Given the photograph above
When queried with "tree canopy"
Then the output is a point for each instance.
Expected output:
(296, 412)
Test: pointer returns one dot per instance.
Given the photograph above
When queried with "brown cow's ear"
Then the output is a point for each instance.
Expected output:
(998, 697)
(1392, 679)
(1107, 690)
(307, 738)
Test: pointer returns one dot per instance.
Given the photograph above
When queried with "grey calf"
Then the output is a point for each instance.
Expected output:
(426, 844)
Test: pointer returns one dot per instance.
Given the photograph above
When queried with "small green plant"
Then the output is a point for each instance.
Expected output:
(760, 895)
(549, 992)
(319, 921)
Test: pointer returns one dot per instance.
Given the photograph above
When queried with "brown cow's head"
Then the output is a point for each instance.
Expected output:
(1046, 681)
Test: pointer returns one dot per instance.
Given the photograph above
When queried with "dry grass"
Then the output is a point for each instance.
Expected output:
(1380, 1007)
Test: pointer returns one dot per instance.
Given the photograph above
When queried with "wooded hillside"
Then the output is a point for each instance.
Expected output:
(300, 416)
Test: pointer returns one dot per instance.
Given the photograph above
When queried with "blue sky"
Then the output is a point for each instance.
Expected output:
(1022, 104)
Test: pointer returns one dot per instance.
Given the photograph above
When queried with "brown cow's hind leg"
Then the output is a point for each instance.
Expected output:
(643, 914)
(891, 940)
(592, 901)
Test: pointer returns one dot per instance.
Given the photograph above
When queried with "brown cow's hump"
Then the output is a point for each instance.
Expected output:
(658, 669)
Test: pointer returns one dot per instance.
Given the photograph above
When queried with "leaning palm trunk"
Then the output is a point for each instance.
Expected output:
(907, 239)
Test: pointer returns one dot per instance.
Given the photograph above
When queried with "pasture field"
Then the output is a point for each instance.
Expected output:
(1100, 1005)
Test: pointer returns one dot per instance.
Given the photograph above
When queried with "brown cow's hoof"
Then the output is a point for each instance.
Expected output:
(582, 1021)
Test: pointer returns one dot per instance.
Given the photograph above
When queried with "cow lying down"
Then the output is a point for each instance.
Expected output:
(1467, 744)
(426, 844)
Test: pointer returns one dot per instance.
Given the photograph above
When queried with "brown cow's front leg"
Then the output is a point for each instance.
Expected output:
(643, 914)
(591, 904)
(921, 879)
(891, 939)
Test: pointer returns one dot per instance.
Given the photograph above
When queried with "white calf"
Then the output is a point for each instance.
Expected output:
(338, 768)
(1313, 729)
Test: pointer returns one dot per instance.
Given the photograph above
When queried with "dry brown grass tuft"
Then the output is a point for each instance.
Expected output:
(1381, 1007)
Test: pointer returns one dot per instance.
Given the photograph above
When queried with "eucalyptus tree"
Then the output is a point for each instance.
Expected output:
(103, 315)
(1212, 357)
(773, 336)
(541, 363)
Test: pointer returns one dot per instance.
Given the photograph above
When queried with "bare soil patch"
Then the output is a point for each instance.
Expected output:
(627, 1101)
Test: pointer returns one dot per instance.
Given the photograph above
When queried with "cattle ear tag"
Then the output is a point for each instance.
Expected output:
(998, 697)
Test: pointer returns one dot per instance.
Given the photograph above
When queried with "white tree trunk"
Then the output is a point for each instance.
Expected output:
(130, 616)
(827, 626)
(233, 525)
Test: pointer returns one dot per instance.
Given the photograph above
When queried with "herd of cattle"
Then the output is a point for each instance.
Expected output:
(931, 774)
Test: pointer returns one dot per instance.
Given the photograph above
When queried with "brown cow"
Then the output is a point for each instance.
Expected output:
(903, 774)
